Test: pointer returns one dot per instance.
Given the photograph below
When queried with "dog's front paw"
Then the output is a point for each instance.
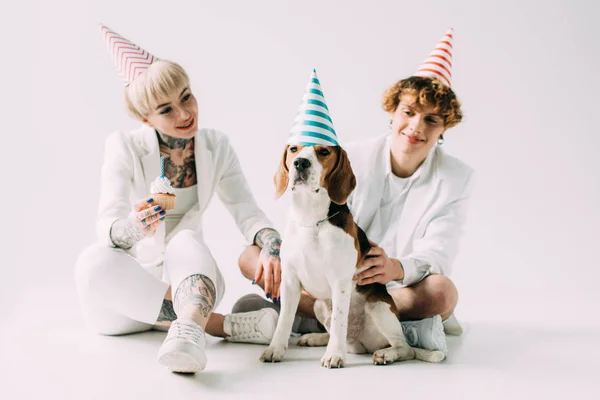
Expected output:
(273, 354)
(314, 339)
(382, 357)
(393, 354)
(333, 359)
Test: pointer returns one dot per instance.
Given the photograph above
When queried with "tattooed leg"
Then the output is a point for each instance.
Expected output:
(195, 298)
(167, 314)
(183, 348)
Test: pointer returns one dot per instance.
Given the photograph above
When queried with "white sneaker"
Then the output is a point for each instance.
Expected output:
(251, 327)
(426, 334)
(183, 348)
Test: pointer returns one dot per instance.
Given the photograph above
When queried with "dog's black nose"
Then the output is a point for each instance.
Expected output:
(301, 164)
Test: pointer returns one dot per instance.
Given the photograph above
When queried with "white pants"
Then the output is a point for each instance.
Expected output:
(118, 296)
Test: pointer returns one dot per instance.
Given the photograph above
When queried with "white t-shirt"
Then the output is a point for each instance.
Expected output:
(391, 207)
(186, 198)
(392, 202)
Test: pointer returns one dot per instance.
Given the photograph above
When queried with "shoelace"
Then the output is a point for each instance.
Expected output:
(184, 331)
(244, 326)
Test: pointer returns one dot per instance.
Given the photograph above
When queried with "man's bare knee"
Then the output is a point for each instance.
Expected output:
(442, 295)
(405, 300)
(436, 294)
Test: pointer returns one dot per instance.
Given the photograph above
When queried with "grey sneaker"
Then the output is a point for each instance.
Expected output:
(253, 302)
(426, 334)
(183, 348)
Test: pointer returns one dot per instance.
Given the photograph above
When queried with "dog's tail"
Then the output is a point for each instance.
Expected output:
(433, 356)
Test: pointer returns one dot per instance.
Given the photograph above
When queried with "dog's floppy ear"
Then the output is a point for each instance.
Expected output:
(281, 176)
(341, 181)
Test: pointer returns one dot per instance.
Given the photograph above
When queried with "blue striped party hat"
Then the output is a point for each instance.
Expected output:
(313, 125)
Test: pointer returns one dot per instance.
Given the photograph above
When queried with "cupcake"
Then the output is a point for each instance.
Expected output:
(161, 190)
(162, 193)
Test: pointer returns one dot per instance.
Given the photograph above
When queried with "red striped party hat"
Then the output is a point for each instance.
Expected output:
(439, 62)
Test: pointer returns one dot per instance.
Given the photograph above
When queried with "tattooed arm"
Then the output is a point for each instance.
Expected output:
(125, 234)
(269, 268)
(143, 221)
(268, 239)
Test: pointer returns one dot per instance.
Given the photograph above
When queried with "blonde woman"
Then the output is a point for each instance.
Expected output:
(151, 267)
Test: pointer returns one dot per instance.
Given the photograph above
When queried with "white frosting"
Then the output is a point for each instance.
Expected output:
(161, 185)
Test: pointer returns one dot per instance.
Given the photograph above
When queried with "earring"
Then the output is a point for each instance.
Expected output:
(441, 140)
(391, 122)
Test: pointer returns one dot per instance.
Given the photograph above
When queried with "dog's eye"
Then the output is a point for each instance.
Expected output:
(324, 152)
(293, 149)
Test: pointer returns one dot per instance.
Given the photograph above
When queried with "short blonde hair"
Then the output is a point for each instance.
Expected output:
(429, 92)
(159, 81)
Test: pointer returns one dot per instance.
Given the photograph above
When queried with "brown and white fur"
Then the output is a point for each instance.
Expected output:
(321, 249)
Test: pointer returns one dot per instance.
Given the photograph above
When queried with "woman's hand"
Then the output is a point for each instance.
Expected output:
(269, 264)
(146, 216)
(381, 268)
(140, 223)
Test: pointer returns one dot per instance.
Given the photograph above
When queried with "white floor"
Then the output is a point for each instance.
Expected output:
(48, 353)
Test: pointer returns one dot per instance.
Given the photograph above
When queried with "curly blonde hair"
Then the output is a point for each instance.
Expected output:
(159, 81)
(428, 92)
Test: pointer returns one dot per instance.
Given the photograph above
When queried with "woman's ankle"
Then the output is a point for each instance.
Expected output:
(195, 314)
(214, 326)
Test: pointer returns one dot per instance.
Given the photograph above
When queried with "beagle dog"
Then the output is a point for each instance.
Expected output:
(321, 249)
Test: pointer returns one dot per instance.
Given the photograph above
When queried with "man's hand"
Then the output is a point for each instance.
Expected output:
(381, 268)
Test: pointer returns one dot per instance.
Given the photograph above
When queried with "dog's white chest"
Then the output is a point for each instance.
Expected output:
(319, 256)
